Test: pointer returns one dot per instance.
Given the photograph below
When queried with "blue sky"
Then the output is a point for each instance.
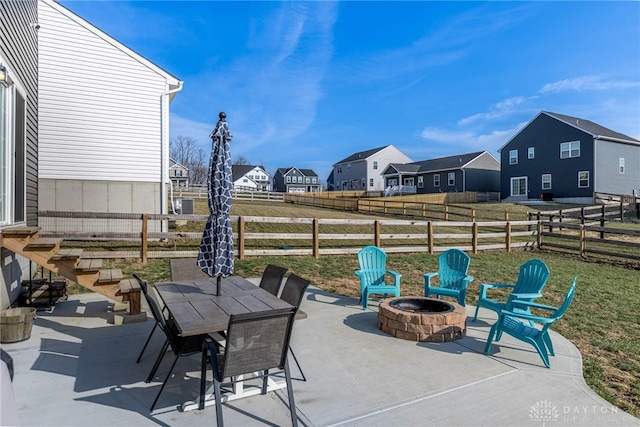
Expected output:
(306, 84)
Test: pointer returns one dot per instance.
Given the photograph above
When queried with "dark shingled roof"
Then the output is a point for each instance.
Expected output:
(238, 171)
(361, 155)
(305, 172)
(590, 127)
(447, 163)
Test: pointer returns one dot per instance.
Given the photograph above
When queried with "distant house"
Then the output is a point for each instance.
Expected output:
(363, 170)
(250, 178)
(294, 180)
(568, 159)
(103, 120)
(178, 174)
(18, 135)
(478, 171)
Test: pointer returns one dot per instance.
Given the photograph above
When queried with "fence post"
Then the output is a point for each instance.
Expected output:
(240, 237)
(539, 236)
(144, 247)
(582, 215)
(582, 240)
(474, 238)
(550, 223)
(446, 212)
(473, 214)
(602, 224)
(508, 236)
(316, 238)
(376, 232)
(621, 210)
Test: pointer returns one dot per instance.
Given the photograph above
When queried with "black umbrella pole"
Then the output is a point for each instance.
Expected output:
(219, 285)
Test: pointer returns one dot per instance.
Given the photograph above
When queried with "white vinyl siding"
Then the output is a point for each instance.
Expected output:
(100, 108)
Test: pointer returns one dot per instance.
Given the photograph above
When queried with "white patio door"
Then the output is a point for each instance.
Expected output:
(519, 186)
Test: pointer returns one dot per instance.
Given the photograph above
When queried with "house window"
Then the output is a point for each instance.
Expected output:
(363, 182)
(570, 149)
(436, 180)
(420, 181)
(370, 182)
(546, 181)
(451, 177)
(348, 165)
(288, 179)
(621, 165)
(583, 179)
(314, 180)
(339, 168)
(375, 165)
(513, 157)
(307, 180)
(519, 186)
(12, 155)
(299, 180)
(531, 152)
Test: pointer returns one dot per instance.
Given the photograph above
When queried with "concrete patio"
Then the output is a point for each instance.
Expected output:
(78, 369)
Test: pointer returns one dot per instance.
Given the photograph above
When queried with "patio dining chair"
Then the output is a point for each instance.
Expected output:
(373, 272)
(509, 322)
(271, 280)
(256, 342)
(145, 290)
(293, 292)
(532, 277)
(453, 265)
(180, 346)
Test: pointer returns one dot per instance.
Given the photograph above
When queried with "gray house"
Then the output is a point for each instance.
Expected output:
(363, 170)
(294, 180)
(19, 131)
(567, 159)
(478, 171)
(178, 174)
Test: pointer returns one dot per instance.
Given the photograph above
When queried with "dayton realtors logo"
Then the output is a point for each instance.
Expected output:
(544, 411)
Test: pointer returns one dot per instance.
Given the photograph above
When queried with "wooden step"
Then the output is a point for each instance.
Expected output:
(67, 254)
(89, 265)
(43, 244)
(19, 231)
(109, 276)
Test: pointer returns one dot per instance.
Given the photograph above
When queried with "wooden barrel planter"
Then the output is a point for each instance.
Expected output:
(16, 324)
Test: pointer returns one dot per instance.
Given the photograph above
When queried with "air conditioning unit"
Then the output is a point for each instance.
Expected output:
(184, 205)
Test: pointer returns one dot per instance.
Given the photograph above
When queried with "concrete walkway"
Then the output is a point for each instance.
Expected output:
(78, 369)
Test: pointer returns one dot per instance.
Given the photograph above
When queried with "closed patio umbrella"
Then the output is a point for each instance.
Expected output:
(215, 256)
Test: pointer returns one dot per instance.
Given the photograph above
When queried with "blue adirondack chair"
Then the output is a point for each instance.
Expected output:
(453, 265)
(373, 272)
(509, 323)
(532, 277)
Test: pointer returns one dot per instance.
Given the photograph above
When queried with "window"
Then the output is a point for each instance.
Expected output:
(436, 180)
(314, 180)
(519, 186)
(531, 152)
(621, 165)
(420, 181)
(583, 179)
(12, 154)
(307, 180)
(546, 181)
(348, 165)
(370, 182)
(288, 179)
(299, 180)
(570, 149)
(339, 168)
(363, 183)
(513, 157)
(375, 165)
(451, 177)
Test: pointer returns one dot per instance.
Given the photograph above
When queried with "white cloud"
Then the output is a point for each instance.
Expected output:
(498, 111)
(586, 83)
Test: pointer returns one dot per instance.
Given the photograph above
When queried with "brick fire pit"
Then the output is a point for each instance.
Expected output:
(422, 319)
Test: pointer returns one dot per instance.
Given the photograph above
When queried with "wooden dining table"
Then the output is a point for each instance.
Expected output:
(196, 309)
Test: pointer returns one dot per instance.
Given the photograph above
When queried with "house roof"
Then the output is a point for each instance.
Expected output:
(305, 172)
(173, 82)
(173, 163)
(458, 161)
(238, 171)
(362, 155)
(590, 127)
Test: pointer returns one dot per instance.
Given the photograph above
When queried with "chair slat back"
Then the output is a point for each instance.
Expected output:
(532, 277)
(272, 278)
(567, 300)
(373, 264)
(453, 265)
(257, 341)
(293, 290)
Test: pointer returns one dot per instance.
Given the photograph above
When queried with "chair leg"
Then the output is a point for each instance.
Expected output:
(147, 342)
(158, 360)
(487, 347)
(292, 403)
(548, 343)
(165, 381)
(475, 316)
(295, 359)
(218, 395)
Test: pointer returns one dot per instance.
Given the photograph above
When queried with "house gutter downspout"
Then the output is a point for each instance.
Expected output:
(164, 154)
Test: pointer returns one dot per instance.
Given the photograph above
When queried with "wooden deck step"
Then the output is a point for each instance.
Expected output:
(67, 254)
(19, 231)
(110, 276)
(46, 243)
(89, 265)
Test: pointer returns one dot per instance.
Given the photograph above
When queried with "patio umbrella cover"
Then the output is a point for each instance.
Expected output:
(215, 256)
